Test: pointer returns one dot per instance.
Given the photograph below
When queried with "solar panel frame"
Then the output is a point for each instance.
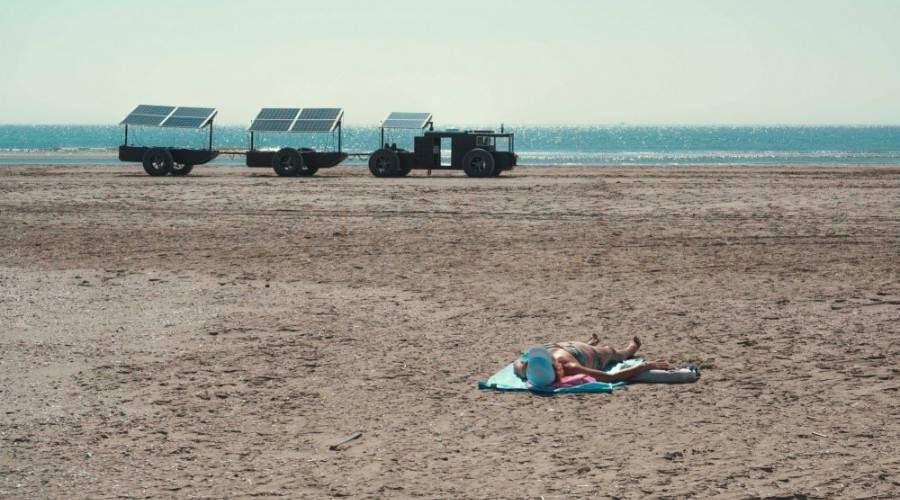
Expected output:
(400, 119)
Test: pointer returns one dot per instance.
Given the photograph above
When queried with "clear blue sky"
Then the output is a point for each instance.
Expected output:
(467, 61)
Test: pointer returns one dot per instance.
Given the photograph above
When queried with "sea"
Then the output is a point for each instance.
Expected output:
(535, 145)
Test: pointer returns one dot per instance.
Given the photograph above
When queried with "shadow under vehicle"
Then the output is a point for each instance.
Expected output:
(479, 153)
(165, 160)
(302, 161)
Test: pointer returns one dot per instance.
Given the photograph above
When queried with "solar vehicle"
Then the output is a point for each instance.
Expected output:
(288, 161)
(157, 160)
(473, 151)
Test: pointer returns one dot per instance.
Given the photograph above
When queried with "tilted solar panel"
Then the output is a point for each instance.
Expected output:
(271, 125)
(149, 109)
(313, 126)
(145, 120)
(183, 122)
(169, 116)
(406, 120)
(278, 114)
(194, 112)
(297, 120)
(320, 113)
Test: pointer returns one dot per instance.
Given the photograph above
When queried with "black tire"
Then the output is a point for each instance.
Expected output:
(181, 169)
(478, 163)
(157, 162)
(497, 171)
(404, 172)
(287, 162)
(384, 163)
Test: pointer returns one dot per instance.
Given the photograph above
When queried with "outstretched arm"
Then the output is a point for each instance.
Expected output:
(620, 375)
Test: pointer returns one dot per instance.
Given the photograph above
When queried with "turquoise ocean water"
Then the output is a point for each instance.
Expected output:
(588, 145)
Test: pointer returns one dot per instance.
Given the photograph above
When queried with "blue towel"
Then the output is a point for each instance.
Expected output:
(507, 380)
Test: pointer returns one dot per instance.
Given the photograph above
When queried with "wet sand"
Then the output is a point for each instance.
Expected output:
(216, 335)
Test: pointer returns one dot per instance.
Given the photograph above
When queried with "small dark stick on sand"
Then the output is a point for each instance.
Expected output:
(351, 437)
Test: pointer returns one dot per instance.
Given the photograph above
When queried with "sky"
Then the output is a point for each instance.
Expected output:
(553, 62)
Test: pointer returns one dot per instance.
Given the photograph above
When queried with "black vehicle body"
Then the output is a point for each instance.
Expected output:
(475, 152)
(183, 156)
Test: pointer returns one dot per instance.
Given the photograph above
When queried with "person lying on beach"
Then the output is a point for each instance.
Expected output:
(588, 358)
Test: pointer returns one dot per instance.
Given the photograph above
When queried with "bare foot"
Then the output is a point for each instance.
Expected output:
(633, 346)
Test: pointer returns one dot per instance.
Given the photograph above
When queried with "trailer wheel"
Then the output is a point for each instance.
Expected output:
(157, 162)
(287, 162)
(478, 163)
(181, 169)
(384, 163)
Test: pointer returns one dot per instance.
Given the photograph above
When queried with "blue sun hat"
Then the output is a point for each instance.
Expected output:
(540, 367)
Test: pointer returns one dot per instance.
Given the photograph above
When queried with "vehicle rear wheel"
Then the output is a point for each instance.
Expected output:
(181, 169)
(384, 163)
(287, 162)
(308, 171)
(404, 172)
(497, 171)
(478, 163)
(157, 162)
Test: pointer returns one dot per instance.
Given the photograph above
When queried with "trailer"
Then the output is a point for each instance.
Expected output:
(479, 153)
(301, 161)
(164, 160)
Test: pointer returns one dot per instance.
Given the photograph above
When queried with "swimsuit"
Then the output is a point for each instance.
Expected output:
(574, 351)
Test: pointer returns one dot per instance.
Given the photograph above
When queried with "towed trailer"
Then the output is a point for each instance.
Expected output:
(476, 152)
(159, 160)
(302, 161)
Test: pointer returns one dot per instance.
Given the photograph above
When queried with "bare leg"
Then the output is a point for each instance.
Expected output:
(612, 354)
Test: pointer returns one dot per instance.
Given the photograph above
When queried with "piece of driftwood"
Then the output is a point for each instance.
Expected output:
(351, 437)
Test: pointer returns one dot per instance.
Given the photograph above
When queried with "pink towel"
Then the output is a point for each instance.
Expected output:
(570, 381)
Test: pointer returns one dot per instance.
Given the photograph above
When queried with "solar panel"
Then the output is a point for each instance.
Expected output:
(297, 120)
(313, 126)
(146, 120)
(183, 122)
(278, 114)
(320, 113)
(406, 120)
(148, 115)
(169, 116)
(193, 112)
(147, 109)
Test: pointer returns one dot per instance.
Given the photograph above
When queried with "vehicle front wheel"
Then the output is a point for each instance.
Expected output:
(157, 162)
(478, 163)
(180, 169)
(384, 163)
(287, 162)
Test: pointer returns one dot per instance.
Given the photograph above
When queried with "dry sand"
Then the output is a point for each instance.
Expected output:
(214, 335)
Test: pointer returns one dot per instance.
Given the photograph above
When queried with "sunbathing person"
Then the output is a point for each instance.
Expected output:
(584, 358)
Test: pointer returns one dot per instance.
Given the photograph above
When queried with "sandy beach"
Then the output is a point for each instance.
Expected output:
(216, 335)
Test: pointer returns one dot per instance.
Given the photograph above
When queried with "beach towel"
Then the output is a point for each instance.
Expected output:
(506, 379)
